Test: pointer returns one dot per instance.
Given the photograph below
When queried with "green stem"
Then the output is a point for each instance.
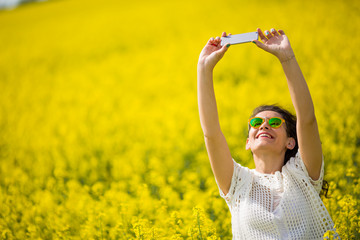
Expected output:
(198, 221)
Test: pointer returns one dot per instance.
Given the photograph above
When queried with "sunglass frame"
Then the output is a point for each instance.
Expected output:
(264, 119)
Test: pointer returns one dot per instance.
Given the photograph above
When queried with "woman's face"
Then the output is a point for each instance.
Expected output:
(266, 138)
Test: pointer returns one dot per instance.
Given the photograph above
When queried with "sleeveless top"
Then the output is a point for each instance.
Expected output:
(284, 205)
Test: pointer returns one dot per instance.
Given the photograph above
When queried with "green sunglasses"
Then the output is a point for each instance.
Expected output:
(274, 122)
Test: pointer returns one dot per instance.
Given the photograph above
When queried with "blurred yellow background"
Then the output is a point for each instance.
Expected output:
(99, 130)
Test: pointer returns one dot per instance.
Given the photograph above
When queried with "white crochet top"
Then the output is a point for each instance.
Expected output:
(284, 205)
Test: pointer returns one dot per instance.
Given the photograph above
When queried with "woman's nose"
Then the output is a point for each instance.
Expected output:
(264, 125)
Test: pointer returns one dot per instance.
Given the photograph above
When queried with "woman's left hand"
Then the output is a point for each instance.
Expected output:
(276, 43)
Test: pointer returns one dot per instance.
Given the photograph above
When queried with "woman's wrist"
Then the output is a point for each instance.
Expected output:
(204, 66)
(287, 59)
(287, 56)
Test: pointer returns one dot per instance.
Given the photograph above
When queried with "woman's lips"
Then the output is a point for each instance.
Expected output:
(264, 134)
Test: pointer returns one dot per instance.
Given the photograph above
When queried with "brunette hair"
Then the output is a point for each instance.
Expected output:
(290, 126)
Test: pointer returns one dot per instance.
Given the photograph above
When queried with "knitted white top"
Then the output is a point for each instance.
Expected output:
(284, 205)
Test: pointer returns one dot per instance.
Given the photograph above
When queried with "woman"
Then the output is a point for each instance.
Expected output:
(279, 199)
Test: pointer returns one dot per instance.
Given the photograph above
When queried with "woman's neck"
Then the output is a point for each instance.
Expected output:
(268, 162)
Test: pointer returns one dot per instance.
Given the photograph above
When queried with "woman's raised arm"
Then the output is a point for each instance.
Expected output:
(216, 145)
(277, 43)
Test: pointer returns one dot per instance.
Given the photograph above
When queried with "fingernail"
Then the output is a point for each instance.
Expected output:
(253, 42)
(228, 45)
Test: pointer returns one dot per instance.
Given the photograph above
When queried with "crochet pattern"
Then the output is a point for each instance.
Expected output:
(284, 205)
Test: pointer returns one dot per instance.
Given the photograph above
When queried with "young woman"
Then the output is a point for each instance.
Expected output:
(279, 199)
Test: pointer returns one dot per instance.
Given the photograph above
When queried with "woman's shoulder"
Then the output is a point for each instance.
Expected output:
(240, 171)
(296, 167)
(296, 163)
(240, 179)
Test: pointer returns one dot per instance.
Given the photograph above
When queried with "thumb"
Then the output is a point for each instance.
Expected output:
(260, 45)
(224, 48)
(218, 54)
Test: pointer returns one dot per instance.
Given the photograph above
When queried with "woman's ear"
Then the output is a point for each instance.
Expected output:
(291, 143)
(247, 144)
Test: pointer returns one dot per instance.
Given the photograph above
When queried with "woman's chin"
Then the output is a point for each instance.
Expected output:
(265, 146)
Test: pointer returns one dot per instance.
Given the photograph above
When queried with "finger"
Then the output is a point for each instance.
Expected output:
(281, 32)
(261, 35)
(268, 34)
(223, 34)
(274, 32)
(212, 42)
(217, 40)
(229, 34)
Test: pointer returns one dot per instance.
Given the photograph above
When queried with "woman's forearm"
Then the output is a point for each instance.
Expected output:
(209, 118)
(209, 57)
(299, 91)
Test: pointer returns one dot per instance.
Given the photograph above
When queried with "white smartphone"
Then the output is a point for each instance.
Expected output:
(239, 38)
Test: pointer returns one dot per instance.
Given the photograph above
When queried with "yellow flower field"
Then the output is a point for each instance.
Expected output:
(100, 136)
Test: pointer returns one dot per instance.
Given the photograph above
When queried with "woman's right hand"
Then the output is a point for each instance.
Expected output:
(212, 52)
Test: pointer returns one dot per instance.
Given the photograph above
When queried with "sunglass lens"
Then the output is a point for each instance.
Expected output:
(275, 122)
(256, 122)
